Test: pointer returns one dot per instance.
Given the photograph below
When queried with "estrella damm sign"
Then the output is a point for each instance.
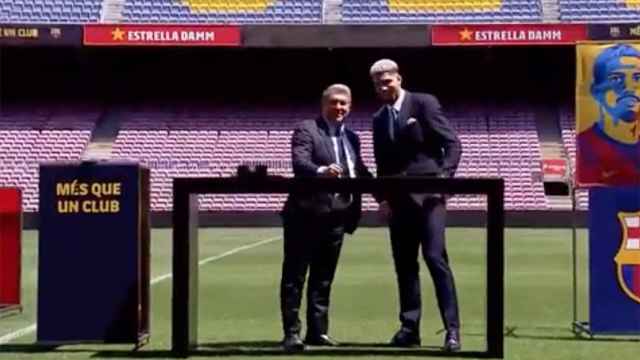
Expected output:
(161, 35)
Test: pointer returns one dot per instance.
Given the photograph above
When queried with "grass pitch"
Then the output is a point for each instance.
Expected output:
(239, 308)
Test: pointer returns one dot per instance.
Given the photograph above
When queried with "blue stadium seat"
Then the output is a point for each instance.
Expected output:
(381, 11)
(279, 11)
(52, 11)
(599, 10)
(310, 11)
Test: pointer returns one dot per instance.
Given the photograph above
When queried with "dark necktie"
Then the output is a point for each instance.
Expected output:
(342, 157)
(343, 198)
(393, 122)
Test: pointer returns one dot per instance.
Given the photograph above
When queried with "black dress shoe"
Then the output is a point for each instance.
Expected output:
(405, 338)
(292, 343)
(321, 340)
(452, 341)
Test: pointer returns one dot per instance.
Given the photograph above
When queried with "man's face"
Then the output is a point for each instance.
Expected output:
(336, 107)
(387, 85)
(621, 97)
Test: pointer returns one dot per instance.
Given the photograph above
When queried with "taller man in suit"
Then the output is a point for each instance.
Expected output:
(412, 137)
(315, 223)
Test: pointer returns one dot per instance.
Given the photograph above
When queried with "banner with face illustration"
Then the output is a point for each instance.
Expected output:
(608, 114)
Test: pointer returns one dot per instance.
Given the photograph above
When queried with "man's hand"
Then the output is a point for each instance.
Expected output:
(333, 170)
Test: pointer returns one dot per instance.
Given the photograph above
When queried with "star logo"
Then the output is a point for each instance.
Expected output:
(118, 34)
(465, 35)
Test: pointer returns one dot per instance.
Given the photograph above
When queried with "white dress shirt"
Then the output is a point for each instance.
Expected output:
(334, 130)
(397, 105)
(394, 112)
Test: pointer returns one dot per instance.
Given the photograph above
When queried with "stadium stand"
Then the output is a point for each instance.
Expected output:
(568, 128)
(50, 11)
(307, 11)
(213, 143)
(311, 11)
(224, 12)
(434, 11)
(31, 135)
(599, 10)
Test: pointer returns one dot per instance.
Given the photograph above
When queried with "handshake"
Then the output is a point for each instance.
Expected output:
(333, 170)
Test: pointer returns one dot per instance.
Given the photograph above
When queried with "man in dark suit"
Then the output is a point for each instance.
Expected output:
(315, 223)
(412, 137)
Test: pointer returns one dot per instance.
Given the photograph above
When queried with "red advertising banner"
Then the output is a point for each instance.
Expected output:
(161, 35)
(554, 167)
(508, 34)
(10, 248)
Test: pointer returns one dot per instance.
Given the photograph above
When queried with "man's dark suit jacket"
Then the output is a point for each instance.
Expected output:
(312, 147)
(427, 146)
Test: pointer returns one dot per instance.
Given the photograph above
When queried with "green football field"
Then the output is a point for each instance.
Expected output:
(239, 309)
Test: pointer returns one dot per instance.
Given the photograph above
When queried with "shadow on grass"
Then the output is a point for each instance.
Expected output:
(244, 349)
(572, 337)
(272, 348)
(563, 333)
(12, 310)
(26, 348)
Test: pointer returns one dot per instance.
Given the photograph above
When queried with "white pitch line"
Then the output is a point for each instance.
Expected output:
(32, 328)
(17, 334)
(220, 256)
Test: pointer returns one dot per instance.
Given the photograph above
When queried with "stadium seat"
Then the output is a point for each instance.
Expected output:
(48, 11)
(228, 11)
(435, 11)
(599, 10)
(30, 135)
(203, 141)
(220, 139)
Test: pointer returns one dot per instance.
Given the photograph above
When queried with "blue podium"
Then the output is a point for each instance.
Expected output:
(93, 274)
